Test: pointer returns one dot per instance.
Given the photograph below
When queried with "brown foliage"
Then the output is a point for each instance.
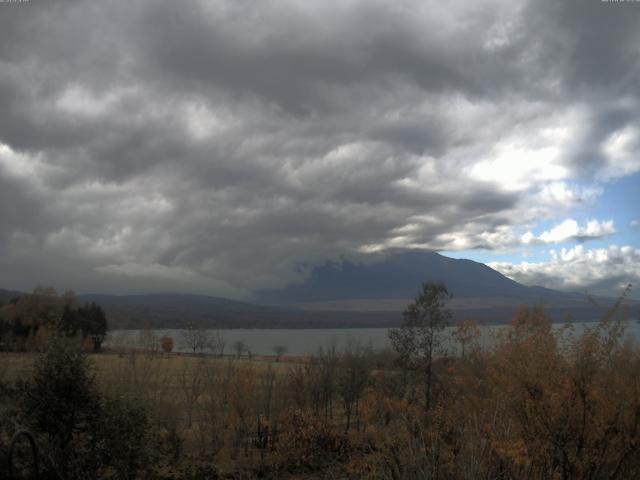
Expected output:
(307, 443)
(166, 343)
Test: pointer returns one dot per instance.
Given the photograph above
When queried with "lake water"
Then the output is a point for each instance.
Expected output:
(307, 341)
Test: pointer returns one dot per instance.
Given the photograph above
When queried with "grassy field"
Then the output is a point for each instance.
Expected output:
(212, 404)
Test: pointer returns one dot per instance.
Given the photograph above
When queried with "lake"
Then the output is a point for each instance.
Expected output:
(307, 341)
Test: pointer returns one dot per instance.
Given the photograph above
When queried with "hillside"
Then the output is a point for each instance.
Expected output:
(396, 279)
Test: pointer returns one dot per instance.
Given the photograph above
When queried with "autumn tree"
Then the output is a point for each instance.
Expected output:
(420, 337)
(166, 343)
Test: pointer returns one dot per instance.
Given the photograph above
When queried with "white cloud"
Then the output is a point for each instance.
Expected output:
(569, 230)
(515, 167)
(601, 270)
(621, 150)
(557, 194)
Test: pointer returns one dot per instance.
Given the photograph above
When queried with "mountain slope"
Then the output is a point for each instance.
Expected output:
(399, 276)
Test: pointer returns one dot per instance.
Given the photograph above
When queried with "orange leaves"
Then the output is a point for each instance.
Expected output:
(166, 343)
(307, 443)
(380, 409)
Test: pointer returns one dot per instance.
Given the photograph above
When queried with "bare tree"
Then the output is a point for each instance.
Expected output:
(216, 343)
(195, 338)
(321, 376)
(279, 350)
(352, 379)
(148, 340)
(191, 382)
(239, 347)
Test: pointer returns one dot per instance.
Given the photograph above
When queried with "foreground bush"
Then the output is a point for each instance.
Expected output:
(83, 433)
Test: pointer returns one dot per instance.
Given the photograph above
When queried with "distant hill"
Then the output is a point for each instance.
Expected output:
(6, 295)
(349, 294)
(171, 310)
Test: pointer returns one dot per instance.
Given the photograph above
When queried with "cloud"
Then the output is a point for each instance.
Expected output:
(601, 270)
(570, 231)
(224, 147)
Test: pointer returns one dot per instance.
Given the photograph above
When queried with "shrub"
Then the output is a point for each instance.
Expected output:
(87, 435)
(308, 444)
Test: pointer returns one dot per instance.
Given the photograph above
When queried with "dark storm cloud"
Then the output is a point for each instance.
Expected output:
(219, 146)
(592, 50)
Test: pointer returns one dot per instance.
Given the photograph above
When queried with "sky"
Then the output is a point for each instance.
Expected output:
(223, 147)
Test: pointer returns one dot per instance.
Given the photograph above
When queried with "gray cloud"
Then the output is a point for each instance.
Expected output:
(222, 146)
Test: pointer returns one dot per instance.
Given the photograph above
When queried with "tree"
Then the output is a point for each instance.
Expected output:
(420, 337)
(166, 343)
(353, 377)
(95, 324)
(84, 432)
(216, 343)
(147, 340)
(195, 338)
(466, 334)
(321, 373)
(69, 323)
(240, 347)
(89, 321)
(61, 401)
(191, 382)
(62, 392)
(279, 350)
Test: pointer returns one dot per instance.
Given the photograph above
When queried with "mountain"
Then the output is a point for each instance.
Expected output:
(399, 276)
(390, 283)
(350, 294)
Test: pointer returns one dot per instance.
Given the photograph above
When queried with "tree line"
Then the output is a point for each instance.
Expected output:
(28, 321)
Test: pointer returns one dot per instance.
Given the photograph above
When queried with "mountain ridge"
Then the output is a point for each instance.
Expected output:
(349, 294)
(399, 276)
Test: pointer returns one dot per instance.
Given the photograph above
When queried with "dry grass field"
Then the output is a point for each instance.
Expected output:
(208, 406)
